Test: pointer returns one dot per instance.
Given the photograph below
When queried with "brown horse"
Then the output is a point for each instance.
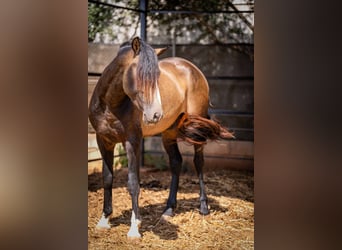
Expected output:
(137, 96)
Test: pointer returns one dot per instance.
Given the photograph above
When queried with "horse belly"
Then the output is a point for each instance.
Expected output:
(150, 130)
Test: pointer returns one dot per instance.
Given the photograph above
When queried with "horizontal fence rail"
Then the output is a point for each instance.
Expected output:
(191, 12)
(208, 77)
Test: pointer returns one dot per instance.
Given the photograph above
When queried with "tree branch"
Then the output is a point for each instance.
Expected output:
(242, 17)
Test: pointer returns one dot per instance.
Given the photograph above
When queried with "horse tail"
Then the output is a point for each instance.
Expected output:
(195, 129)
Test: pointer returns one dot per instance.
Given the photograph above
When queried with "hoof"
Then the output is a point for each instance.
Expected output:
(133, 234)
(168, 212)
(204, 211)
(103, 223)
(99, 227)
(204, 208)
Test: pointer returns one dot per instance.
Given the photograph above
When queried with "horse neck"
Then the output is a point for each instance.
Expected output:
(112, 92)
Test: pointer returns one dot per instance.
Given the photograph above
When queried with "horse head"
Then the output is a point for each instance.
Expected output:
(140, 81)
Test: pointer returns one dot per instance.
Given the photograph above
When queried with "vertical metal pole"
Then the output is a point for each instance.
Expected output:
(143, 21)
(173, 33)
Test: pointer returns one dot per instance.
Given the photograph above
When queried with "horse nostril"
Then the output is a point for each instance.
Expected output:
(156, 116)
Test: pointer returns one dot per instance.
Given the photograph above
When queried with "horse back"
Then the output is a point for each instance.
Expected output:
(190, 81)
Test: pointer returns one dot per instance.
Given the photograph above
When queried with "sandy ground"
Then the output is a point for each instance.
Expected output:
(230, 224)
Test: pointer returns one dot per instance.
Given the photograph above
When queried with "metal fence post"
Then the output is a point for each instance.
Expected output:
(143, 22)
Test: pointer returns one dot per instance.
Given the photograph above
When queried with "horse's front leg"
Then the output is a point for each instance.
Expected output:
(107, 178)
(132, 147)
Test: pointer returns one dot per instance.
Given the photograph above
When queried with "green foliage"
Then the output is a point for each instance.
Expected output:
(213, 28)
(122, 160)
(210, 28)
(158, 162)
(99, 20)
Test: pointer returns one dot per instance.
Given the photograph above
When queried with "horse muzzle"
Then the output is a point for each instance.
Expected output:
(153, 119)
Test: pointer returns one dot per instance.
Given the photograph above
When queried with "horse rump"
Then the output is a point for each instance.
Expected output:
(195, 129)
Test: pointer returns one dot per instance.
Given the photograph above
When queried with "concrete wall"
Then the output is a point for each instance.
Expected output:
(100, 55)
(218, 154)
(213, 60)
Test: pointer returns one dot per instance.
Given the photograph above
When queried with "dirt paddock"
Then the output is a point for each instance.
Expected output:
(230, 224)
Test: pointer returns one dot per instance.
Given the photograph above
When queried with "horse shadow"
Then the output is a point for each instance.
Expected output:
(151, 214)
(236, 188)
(119, 180)
(163, 227)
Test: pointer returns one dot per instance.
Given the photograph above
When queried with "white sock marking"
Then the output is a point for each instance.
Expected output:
(134, 230)
(103, 222)
(168, 212)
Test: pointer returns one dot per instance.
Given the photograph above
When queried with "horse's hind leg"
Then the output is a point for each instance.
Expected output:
(175, 160)
(107, 177)
(199, 162)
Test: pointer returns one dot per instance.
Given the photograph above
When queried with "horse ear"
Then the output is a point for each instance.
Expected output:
(136, 46)
(160, 51)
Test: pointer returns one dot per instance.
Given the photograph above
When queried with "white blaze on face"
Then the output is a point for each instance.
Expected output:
(157, 95)
(153, 112)
(134, 230)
